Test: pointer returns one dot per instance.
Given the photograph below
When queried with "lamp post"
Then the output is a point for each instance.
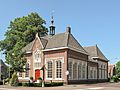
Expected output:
(43, 67)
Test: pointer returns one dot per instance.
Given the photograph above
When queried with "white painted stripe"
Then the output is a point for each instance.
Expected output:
(95, 88)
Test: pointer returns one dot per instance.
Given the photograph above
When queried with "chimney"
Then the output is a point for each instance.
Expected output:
(68, 29)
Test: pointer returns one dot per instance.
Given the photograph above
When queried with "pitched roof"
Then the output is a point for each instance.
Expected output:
(74, 45)
(57, 41)
(28, 47)
(95, 52)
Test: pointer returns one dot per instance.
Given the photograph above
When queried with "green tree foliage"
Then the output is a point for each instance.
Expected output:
(118, 68)
(21, 31)
(14, 80)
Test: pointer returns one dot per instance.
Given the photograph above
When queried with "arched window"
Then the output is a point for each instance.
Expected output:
(83, 71)
(58, 69)
(91, 73)
(70, 70)
(95, 76)
(49, 67)
(37, 55)
(79, 71)
(75, 71)
(27, 70)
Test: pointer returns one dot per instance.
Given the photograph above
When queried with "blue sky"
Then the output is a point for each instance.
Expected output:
(92, 21)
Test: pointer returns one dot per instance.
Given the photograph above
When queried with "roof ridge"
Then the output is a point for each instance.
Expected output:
(79, 44)
(96, 50)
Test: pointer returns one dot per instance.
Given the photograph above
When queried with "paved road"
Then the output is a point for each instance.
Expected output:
(100, 86)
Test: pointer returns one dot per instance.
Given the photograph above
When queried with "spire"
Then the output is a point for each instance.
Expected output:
(52, 27)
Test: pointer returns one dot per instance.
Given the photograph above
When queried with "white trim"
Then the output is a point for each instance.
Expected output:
(95, 57)
(27, 78)
(55, 48)
(58, 78)
(20, 77)
(54, 65)
(28, 52)
(61, 70)
(49, 78)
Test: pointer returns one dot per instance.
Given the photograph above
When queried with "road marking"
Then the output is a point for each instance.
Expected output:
(95, 88)
(7, 89)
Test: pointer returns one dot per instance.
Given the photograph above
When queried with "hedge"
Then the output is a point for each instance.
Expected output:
(30, 84)
(40, 84)
(53, 84)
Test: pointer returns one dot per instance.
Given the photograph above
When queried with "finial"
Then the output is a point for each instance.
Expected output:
(52, 18)
(52, 27)
(68, 29)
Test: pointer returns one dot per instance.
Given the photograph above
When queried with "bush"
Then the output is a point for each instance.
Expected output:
(53, 84)
(19, 84)
(14, 80)
(39, 78)
(30, 84)
(114, 79)
(31, 78)
(25, 84)
(7, 80)
(1, 83)
(37, 84)
(40, 84)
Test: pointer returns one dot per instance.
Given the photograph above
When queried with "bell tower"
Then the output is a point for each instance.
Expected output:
(52, 27)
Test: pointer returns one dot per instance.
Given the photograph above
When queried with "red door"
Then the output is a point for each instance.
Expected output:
(37, 74)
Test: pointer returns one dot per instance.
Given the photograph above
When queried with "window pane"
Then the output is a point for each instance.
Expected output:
(49, 73)
(70, 70)
(58, 69)
(27, 70)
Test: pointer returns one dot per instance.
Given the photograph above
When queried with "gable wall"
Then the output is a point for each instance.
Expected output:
(37, 46)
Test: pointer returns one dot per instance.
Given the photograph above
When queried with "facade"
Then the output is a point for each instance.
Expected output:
(97, 64)
(111, 70)
(60, 58)
(3, 70)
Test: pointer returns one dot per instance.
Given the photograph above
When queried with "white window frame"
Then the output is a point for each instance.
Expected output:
(47, 70)
(70, 62)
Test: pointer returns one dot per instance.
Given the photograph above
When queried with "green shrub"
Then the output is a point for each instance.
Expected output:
(19, 84)
(25, 84)
(37, 84)
(47, 84)
(114, 79)
(31, 78)
(1, 83)
(30, 84)
(7, 80)
(14, 80)
(53, 84)
(39, 78)
(40, 84)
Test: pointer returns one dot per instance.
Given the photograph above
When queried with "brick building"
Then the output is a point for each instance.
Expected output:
(63, 59)
(111, 70)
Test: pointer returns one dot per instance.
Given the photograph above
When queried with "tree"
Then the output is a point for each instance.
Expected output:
(117, 68)
(21, 31)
